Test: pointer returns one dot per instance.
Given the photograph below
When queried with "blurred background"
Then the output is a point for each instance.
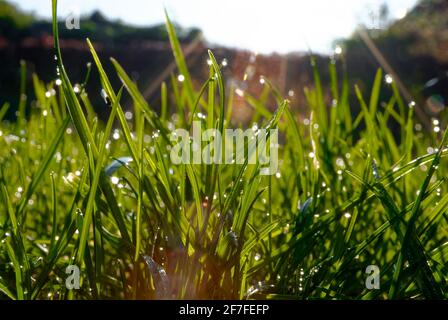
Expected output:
(254, 40)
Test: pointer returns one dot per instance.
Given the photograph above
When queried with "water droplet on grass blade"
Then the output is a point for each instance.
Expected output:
(340, 162)
(128, 115)
(233, 238)
(375, 171)
(115, 180)
(116, 164)
(106, 97)
(116, 135)
(160, 277)
(388, 78)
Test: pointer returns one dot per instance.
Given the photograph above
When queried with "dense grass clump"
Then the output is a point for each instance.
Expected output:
(107, 198)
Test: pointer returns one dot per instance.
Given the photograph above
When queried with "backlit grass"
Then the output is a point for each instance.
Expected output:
(350, 193)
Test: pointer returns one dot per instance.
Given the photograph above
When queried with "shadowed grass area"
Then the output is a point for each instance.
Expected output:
(106, 197)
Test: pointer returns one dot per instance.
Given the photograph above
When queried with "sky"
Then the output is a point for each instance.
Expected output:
(263, 26)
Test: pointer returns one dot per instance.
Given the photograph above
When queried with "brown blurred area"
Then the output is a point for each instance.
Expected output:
(150, 63)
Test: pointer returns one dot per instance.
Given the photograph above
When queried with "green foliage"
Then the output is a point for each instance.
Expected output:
(12, 20)
(106, 197)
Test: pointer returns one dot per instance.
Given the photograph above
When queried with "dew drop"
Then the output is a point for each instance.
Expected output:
(105, 97)
(115, 180)
(338, 50)
(116, 135)
(128, 115)
(388, 78)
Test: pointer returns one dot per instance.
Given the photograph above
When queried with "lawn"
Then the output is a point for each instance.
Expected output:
(350, 193)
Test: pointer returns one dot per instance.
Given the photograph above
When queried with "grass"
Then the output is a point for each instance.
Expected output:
(350, 192)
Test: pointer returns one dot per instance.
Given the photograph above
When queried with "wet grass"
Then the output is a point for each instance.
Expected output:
(349, 193)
